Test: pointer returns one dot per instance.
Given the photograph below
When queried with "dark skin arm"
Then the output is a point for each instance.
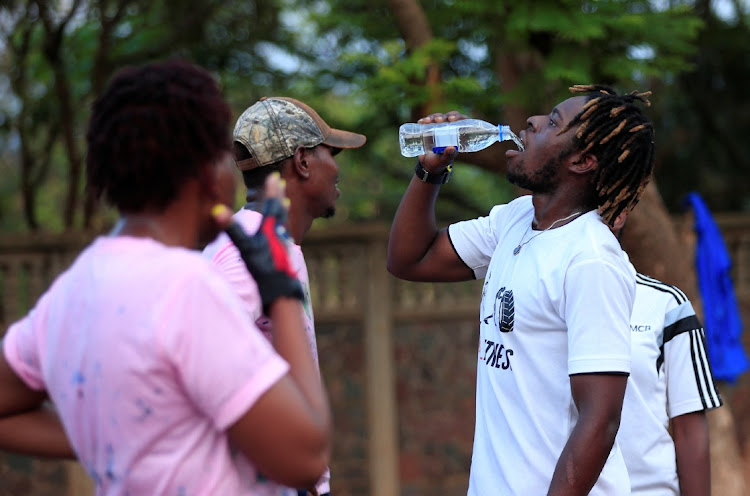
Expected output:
(417, 250)
(27, 425)
(36, 433)
(690, 433)
(598, 398)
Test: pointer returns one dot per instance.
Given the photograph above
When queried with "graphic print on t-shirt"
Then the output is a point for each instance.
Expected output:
(503, 311)
(493, 353)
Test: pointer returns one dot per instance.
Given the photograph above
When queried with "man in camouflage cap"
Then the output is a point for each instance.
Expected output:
(283, 135)
(273, 128)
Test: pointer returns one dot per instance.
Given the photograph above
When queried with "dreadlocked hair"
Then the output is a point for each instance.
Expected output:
(153, 128)
(613, 128)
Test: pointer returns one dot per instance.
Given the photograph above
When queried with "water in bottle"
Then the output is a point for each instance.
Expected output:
(468, 135)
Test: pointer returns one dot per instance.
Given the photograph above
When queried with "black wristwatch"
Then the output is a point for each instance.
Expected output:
(431, 177)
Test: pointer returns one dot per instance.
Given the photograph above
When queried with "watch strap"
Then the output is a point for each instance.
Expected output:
(431, 177)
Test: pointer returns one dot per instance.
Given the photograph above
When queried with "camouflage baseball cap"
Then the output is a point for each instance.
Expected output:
(272, 128)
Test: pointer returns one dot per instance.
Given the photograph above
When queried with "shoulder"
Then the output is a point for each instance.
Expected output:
(181, 268)
(523, 203)
(504, 215)
(590, 240)
(492, 227)
(191, 266)
(656, 289)
(197, 288)
(519, 207)
(654, 296)
(249, 220)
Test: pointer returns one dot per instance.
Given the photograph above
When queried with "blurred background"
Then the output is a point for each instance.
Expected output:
(397, 357)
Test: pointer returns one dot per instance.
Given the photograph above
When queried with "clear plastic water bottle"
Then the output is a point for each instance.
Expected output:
(468, 135)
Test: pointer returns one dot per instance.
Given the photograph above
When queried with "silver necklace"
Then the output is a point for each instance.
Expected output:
(517, 249)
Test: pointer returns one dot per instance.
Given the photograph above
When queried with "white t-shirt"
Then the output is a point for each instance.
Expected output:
(559, 307)
(148, 356)
(670, 376)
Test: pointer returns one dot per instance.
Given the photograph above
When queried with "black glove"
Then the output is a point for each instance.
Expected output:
(265, 255)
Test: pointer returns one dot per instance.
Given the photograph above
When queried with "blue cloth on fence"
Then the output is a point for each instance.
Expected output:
(721, 315)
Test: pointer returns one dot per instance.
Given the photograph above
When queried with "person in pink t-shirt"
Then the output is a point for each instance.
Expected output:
(284, 135)
(159, 381)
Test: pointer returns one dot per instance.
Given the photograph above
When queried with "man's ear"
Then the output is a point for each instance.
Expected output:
(582, 164)
(301, 161)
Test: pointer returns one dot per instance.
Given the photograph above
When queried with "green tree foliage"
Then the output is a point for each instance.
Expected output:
(358, 63)
(562, 41)
(57, 56)
(500, 61)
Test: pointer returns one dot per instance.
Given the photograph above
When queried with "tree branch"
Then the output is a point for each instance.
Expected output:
(53, 44)
(29, 162)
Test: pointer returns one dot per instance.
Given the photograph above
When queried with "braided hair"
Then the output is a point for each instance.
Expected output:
(613, 128)
(153, 128)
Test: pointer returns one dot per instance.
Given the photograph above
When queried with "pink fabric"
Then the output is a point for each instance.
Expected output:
(148, 357)
(225, 255)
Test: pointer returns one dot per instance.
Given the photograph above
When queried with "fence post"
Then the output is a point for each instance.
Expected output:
(79, 482)
(379, 368)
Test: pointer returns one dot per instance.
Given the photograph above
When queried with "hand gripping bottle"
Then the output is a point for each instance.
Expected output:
(468, 135)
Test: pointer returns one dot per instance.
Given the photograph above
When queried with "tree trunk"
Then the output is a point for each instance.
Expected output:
(53, 45)
(416, 32)
(18, 41)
